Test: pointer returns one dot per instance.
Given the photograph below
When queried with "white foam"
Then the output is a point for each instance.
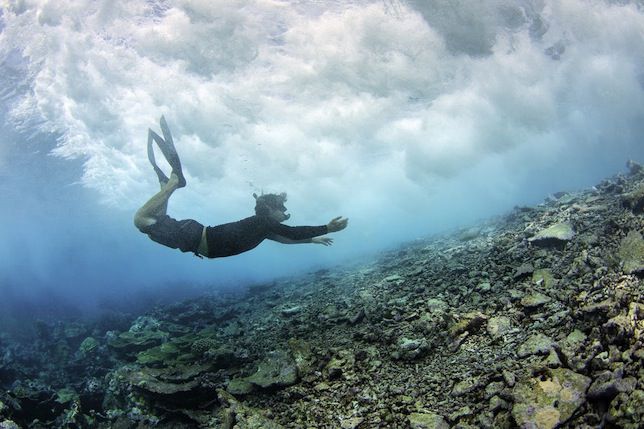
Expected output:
(365, 99)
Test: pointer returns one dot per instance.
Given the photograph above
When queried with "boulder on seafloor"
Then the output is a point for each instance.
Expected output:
(239, 386)
(609, 383)
(466, 386)
(602, 307)
(543, 277)
(572, 344)
(550, 400)
(498, 326)
(351, 422)
(537, 344)
(534, 300)
(619, 329)
(278, 370)
(523, 270)
(427, 421)
(631, 253)
(303, 356)
(556, 235)
(410, 348)
(435, 305)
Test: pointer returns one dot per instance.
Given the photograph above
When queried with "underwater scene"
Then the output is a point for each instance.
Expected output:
(352, 214)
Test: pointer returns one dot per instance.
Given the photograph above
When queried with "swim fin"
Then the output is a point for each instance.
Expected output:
(163, 179)
(166, 145)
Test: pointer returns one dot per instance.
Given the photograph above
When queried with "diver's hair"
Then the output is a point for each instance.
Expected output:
(265, 202)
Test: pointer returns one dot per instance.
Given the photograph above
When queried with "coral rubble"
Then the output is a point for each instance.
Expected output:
(532, 320)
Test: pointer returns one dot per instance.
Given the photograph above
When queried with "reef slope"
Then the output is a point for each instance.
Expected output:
(532, 320)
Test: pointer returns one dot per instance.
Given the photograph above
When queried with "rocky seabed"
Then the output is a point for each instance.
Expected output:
(532, 320)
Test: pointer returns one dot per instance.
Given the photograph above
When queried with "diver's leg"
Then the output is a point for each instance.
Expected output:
(163, 208)
(157, 205)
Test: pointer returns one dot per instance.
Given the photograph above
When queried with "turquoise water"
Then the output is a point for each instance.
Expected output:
(406, 118)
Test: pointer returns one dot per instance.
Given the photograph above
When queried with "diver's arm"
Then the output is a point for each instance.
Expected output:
(316, 240)
(290, 234)
(285, 240)
(297, 234)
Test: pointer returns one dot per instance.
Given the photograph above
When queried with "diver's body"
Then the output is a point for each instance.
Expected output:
(222, 240)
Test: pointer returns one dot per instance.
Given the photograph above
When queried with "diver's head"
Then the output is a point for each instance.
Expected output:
(271, 205)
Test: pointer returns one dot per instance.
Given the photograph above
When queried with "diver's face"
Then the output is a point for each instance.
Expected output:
(278, 214)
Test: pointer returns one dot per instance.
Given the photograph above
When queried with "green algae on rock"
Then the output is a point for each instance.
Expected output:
(66, 395)
(627, 410)
(534, 300)
(537, 344)
(88, 345)
(572, 344)
(550, 400)
(133, 342)
(410, 348)
(498, 326)
(239, 386)
(427, 421)
(631, 253)
(201, 345)
(163, 355)
(543, 277)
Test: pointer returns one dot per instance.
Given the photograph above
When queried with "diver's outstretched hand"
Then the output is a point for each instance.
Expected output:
(337, 224)
(326, 241)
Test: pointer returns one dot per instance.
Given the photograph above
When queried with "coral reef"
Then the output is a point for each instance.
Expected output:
(534, 319)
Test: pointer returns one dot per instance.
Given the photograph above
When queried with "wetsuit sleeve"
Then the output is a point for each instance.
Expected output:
(298, 232)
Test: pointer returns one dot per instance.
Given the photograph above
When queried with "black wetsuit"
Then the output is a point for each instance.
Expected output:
(184, 235)
(227, 239)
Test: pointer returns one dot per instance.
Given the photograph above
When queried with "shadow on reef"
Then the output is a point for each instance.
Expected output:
(534, 319)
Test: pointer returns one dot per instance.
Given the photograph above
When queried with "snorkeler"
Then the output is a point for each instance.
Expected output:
(222, 240)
